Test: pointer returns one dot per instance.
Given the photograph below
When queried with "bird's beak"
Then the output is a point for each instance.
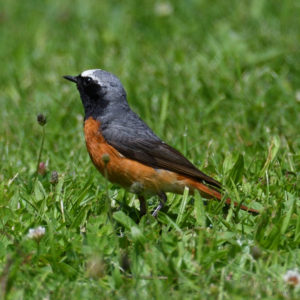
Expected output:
(71, 78)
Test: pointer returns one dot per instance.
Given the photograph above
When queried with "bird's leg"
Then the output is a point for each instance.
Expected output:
(143, 205)
(162, 201)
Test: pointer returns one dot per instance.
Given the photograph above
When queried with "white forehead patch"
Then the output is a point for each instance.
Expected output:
(91, 73)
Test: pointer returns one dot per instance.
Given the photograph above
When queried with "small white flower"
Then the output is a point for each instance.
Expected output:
(292, 277)
(36, 233)
(163, 9)
(239, 242)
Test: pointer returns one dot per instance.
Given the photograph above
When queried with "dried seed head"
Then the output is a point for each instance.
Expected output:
(105, 158)
(42, 168)
(41, 118)
(54, 178)
(256, 252)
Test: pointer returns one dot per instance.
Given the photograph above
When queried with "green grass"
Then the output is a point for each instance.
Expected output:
(218, 80)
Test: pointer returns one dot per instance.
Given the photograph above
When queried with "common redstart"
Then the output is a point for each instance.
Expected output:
(126, 151)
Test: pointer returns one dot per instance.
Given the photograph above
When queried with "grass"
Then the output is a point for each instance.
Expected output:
(218, 80)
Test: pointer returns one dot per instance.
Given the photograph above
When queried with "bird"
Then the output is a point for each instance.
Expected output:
(128, 153)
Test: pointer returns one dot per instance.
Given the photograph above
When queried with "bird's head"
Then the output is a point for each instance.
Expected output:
(99, 90)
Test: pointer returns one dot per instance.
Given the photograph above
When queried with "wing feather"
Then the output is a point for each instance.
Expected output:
(144, 146)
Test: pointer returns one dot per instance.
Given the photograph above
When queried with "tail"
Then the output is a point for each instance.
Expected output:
(208, 192)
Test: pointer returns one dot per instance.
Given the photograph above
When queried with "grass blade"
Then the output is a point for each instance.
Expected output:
(272, 152)
(182, 205)
(199, 210)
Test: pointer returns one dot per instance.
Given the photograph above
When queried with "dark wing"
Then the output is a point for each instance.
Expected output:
(142, 145)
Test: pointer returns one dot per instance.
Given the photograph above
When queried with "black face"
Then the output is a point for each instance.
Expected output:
(89, 87)
(86, 86)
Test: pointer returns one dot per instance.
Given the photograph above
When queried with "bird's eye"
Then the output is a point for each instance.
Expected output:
(88, 80)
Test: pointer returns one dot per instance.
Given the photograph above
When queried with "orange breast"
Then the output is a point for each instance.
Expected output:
(127, 172)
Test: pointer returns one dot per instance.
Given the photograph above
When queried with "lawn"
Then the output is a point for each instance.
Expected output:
(219, 81)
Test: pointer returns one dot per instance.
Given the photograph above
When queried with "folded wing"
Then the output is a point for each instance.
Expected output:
(142, 145)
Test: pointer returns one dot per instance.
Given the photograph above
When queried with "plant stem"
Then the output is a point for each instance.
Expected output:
(107, 204)
(39, 156)
(41, 149)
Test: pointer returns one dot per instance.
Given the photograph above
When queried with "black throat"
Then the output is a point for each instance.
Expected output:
(105, 111)
(95, 111)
